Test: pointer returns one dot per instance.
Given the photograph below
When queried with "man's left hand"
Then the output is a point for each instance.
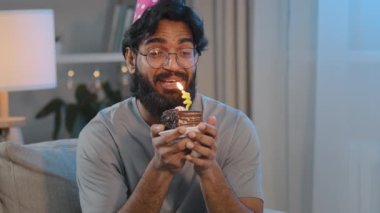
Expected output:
(204, 144)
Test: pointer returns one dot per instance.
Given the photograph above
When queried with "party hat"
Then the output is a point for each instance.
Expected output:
(141, 6)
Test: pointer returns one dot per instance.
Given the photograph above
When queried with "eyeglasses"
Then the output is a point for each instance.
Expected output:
(157, 58)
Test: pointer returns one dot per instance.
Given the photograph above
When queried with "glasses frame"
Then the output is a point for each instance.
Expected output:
(196, 56)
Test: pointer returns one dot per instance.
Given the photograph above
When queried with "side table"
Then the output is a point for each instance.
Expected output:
(10, 129)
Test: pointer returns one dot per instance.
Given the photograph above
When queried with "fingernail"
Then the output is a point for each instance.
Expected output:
(182, 130)
(202, 126)
(189, 145)
(192, 134)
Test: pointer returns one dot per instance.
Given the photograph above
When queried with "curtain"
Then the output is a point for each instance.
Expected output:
(261, 59)
(223, 71)
(283, 64)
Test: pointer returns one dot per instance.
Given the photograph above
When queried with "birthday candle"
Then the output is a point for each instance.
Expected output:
(185, 96)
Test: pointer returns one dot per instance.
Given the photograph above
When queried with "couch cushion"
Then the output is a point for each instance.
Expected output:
(38, 177)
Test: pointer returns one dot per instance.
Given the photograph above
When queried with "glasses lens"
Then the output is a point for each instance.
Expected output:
(186, 58)
(156, 58)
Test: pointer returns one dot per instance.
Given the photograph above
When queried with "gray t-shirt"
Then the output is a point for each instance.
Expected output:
(115, 148)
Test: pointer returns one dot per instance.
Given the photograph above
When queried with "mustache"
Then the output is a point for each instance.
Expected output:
(166, 74)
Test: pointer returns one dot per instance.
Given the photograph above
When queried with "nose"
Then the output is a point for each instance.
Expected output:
(171, 62)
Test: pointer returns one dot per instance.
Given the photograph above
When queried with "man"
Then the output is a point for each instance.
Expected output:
(125, 165)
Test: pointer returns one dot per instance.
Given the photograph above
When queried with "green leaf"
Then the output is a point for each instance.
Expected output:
(78, 114)
(52, 107)
(57, 123)
(83, 96)
(72, 111)
(113, 96)
(79, 123)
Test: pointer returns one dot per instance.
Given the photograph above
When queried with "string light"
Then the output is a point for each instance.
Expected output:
(70, 79)
(70, 73)
(124, 75)
(124, 69)
(96, 73)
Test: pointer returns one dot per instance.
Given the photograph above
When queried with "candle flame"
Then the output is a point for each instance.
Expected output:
(185, 96)
(179, 85)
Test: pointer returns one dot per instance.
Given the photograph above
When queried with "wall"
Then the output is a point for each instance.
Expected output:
(347, 142)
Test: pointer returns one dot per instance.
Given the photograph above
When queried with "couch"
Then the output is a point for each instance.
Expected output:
(40, 177)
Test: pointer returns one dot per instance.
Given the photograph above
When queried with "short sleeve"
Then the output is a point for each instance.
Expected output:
(99, 170)
(243, 168)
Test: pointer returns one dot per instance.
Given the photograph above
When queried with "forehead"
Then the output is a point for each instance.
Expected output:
(170, 32)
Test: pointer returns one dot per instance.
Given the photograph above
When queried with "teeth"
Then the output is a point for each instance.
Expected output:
(171, 81)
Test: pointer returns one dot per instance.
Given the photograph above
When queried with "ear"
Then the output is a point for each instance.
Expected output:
(130, 59)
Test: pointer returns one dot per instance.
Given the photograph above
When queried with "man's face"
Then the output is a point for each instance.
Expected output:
(157, 87)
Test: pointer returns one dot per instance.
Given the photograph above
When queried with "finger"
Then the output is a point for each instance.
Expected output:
(175, 161)
(165, 150)
(212, 120)
(203, 140)
(155, 129)
(178, 146)
(203, 151)
(198, 161)
(174, 136)
(209, 128)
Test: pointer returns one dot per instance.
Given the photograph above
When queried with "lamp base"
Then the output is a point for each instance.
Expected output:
(8, 122)
(10, 129)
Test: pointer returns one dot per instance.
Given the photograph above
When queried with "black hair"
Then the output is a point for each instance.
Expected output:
(174, 10)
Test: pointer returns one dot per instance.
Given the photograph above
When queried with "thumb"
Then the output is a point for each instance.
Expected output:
(212, 120)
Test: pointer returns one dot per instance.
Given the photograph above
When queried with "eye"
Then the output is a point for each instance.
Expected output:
(156, 53)
(186, 53)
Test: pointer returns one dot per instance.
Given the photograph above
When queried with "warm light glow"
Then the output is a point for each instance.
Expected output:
(27, 60)
(70, 73)
(124, 69)
(35, 68)
(179, 85)
(185, 96)
(96, 73)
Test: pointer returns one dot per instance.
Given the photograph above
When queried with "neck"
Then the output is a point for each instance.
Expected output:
(146, 115)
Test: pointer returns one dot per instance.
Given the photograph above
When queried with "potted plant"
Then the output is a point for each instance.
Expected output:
(78, 114)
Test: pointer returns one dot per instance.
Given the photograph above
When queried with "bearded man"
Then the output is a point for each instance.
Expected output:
(125, 165)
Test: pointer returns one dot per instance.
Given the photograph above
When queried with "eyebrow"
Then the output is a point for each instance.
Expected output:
(161, 40)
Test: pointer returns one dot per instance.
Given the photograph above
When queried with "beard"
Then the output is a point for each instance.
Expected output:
(154, 102)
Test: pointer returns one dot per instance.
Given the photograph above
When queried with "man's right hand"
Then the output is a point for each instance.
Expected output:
(168, 156)
(153, 186)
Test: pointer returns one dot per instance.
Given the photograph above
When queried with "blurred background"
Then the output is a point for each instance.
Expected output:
(306, 72)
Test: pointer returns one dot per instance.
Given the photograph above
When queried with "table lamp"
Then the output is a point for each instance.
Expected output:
(27, 60)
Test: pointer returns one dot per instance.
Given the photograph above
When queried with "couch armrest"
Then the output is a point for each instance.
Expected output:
(39, 177)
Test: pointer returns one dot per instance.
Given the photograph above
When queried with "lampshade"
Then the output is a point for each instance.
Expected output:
(27, 50)
(27, 60)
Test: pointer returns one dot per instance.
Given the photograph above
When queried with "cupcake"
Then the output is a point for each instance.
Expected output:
(178, 116)
(181, 116)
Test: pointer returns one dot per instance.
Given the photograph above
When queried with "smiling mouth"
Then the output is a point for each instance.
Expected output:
(170, 84)
(168, 80)
(171, 76)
